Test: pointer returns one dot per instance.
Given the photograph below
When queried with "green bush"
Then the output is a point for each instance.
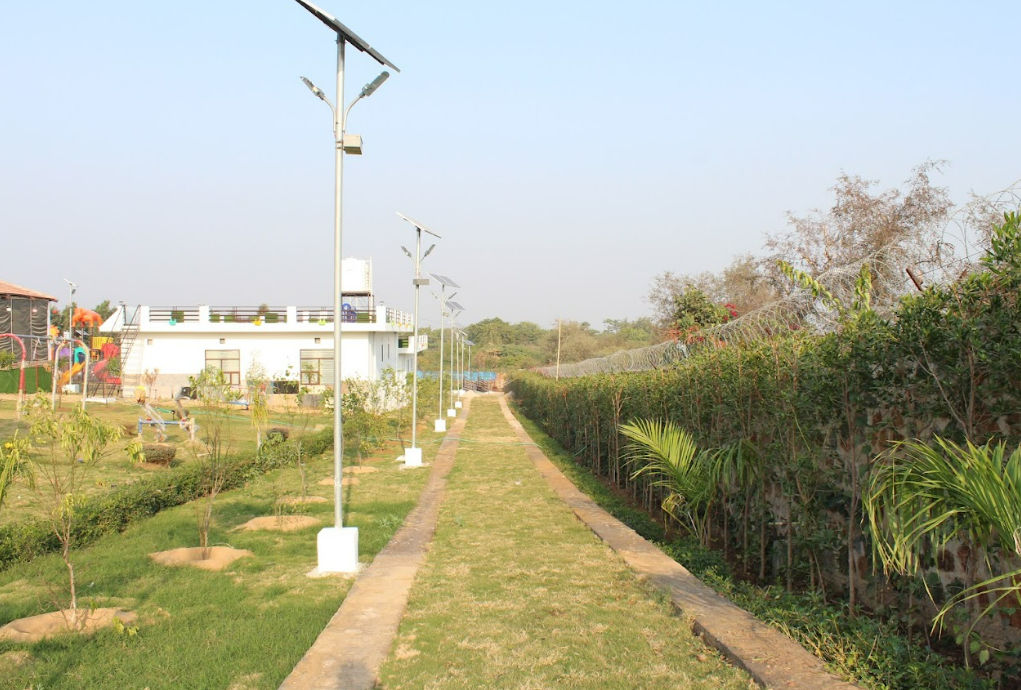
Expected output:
(159, 453)
(813, 411)
(874, 653)
(115, 510)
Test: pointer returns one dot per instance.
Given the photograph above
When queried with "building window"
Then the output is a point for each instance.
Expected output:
(316, 367)
(227, 361)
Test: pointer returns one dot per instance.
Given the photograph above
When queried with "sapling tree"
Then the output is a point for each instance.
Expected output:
(215, 394)
(67, 447)
(258, 399)
(13, 463)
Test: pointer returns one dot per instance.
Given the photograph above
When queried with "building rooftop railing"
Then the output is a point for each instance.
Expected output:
(357, 310)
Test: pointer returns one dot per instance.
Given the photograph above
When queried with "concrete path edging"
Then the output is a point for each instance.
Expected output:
(351, 648)
(773, 659)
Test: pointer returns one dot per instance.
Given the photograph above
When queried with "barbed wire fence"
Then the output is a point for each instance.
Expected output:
(954, 254)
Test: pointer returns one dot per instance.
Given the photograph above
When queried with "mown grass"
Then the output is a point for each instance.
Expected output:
(517, 593)
(863, 650)
(244, 627)
(116, 468)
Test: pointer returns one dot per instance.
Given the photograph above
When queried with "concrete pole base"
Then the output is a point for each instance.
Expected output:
(412, 457)
(457, 404)
(451, 412)
(440, 426)
(337, 549)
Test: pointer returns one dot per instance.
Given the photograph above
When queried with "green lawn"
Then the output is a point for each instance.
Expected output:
(116, 468)
(516, 592)
(244, 627)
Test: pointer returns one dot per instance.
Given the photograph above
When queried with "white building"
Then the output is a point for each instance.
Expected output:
(292, 343)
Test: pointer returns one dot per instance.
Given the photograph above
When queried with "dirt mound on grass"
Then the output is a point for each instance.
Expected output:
(35, 628)
(359, 470)
(298, 500)
(282, 523)
(219, 557)
(346, 481)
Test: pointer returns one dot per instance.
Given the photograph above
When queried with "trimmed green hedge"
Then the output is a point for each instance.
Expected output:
(116, 510)
(816, 409)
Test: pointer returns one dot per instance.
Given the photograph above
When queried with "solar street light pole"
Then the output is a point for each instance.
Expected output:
(413, 455)
(338, 546)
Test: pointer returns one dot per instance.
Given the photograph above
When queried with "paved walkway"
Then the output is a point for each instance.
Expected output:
(350, 651)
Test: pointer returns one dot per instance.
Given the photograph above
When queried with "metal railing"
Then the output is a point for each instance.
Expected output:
(235, 314)
(175, 314)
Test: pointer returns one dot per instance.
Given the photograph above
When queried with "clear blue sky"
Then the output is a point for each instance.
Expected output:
(166, 153)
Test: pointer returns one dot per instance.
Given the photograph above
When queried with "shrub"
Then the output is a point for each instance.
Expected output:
(116, 510)
(159, 453)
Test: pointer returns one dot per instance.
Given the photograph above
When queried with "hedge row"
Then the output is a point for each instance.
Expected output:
(115, 510)
(816, 409)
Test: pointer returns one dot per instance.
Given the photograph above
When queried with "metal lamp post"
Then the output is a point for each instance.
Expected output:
(454, 309)
(413, 455)
(71, 288)
(337, 546)
(444, 281)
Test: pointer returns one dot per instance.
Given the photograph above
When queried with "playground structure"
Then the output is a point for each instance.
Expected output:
(81, 355)
(21, 374)
(159, 424)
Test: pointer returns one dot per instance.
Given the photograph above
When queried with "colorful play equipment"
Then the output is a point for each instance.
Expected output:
(159, 425)
(21, 375)
(78, 361)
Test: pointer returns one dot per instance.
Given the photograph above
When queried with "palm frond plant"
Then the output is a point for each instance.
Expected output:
(921, 496)
(668, 457)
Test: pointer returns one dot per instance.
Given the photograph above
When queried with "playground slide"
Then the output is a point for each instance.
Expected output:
(66, 376)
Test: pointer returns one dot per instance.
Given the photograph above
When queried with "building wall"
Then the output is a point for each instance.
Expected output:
(177, 356)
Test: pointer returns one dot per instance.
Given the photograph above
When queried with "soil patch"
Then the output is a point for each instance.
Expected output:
(360, 469)
(35, 628)
(219, 557)
(299, 500)
(346, 481)
(282, 523)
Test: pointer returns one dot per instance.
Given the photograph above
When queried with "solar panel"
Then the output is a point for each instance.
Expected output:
(349, 36)
(445, 281)
(418, 225)
(455, 306)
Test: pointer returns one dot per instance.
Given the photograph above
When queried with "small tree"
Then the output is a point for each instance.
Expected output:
(68, 448)
(215, 394)
(258, 399)
(13, 462)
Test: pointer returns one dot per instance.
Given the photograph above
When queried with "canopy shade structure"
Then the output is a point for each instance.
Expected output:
(348, 35)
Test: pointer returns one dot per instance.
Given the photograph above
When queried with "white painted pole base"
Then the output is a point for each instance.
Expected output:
(441, 425)
(457, 404)
(337, 548)
(451, 412)
(412, 457)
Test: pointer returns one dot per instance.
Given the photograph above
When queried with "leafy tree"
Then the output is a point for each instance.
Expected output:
(215, 394)
(886, 230)
(13, 463)
(258, 399)
(694, 310)
(69, 447)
